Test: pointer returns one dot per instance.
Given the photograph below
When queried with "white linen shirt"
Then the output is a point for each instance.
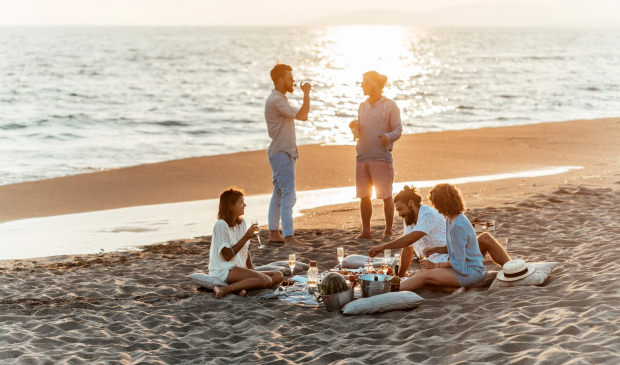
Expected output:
(280, 118)
(226, 236)
(434, 225)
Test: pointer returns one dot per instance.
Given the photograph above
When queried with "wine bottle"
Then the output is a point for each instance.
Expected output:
(395, 281)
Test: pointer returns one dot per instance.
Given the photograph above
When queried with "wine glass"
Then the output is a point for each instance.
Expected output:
(386, 260)
(256, 232)
(340, 253)
(291, 262)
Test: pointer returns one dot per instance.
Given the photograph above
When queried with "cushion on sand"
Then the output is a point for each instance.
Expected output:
(357, 261)
(402, 300)
(541, 273)
(206, 281)
(283, 267)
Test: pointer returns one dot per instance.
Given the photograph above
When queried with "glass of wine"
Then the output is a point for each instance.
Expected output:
(291, 262)
(386, 260)
(257, 233)
(340, 253)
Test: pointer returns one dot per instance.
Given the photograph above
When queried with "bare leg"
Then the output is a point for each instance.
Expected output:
(275, 276)
(366, 213)
(406, 256)
(241, 279)
(439, 277)
(388, 211)
(488, 243)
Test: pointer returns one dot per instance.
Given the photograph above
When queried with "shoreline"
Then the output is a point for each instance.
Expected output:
(416, 157)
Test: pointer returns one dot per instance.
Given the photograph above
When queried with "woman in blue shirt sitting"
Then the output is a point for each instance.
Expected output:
(465, 267)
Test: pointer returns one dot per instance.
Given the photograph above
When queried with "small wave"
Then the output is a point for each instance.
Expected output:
(507, 96)
(592, 88)
(199, 132)
(466, 107)
(172, 123)
(11, 126)
(81, 96)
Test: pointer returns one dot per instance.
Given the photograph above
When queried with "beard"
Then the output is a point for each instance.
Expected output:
(290, 88)
(410, 217)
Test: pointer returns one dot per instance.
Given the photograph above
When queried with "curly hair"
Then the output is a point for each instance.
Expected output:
(227, 199)
(409, 194)
(447, 199)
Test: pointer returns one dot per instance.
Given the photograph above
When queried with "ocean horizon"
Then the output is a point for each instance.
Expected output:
(85, 99)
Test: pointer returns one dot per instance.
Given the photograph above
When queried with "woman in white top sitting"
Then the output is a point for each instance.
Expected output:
(229, 257)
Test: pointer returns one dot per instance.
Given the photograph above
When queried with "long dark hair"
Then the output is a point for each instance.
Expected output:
(227, 199)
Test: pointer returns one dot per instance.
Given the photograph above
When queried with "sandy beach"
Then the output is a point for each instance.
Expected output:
(138, 307)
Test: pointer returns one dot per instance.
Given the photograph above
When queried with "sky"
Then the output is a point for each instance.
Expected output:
(320, 12)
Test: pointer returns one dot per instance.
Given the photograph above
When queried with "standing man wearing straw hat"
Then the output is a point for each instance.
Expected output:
(377, 128)
(280, 117)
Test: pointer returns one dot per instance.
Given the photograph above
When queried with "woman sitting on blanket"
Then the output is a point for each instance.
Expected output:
(464, 267)
(229, 257)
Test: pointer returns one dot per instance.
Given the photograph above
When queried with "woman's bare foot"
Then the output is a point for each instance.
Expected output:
(458, 291)
(219, 291)
(275, 236)
(242, 293)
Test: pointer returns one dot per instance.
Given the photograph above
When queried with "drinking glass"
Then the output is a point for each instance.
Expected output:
(291, 262)
(340, 253)
(257, 233)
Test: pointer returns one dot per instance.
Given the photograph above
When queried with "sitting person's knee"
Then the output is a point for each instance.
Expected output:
(265, 280)
(277, 278)
(484, 237)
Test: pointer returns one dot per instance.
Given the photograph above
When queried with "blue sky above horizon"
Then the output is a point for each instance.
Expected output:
(295, 12)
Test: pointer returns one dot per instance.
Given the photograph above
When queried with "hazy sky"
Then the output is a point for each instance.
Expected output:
(295, 12)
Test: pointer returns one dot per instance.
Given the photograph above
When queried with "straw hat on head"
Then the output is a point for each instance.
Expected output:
(515, 270)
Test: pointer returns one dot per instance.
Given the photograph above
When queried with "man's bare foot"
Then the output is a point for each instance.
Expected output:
(275, 236)
(364, 235)
(242, 293)
(292, 242)
(387, 238)
(219, 291)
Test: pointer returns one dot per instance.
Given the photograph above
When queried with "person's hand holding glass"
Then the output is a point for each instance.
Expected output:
(257, 233)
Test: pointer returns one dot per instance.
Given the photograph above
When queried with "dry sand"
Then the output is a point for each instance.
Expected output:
(138, 307)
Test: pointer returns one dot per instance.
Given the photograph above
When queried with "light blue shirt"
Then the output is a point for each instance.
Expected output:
(463, 249)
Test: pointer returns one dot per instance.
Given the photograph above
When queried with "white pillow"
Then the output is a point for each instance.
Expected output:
(357, 261)
(401, 300)
(206, 281)
(283, 267)
(541, 273)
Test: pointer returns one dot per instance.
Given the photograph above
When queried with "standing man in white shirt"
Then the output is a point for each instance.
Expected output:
(377, 128)
(280, 117)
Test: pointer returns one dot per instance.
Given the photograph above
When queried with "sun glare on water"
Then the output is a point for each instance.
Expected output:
(344, 54)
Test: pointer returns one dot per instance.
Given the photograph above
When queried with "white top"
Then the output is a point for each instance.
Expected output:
(434, 225)
(280, 118)
(226, 236)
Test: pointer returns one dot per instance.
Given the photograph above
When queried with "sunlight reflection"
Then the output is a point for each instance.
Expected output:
(344, 54)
